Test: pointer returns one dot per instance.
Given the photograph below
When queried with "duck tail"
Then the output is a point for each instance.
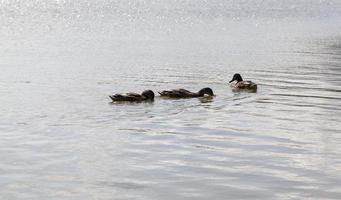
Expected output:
(112, 97)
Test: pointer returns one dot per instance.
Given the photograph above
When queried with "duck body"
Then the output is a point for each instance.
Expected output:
(133, 97)
(238, 84)
(183, 93)
(244, 85)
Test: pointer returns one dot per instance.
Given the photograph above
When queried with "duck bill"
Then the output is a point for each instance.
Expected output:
(231, 81)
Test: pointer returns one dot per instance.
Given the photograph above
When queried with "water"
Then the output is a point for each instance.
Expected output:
(62, 139)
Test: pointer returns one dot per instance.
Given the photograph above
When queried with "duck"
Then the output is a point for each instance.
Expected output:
(238, 84)
(182, 93)
(147, 95)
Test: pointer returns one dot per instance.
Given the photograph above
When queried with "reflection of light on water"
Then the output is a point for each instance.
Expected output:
(60, 61)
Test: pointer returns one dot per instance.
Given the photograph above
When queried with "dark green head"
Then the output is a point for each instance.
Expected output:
(236, 77)
(207, 91)
(148, 94)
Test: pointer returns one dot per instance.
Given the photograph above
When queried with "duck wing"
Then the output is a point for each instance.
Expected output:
(248, 86)
(183, 91)
(170, 93)
(186, 93)
(126, 97)
(245, 84)
(132, 94)
(177, 93)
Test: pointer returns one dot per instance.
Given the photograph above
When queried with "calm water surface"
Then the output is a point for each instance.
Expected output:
(61, 138)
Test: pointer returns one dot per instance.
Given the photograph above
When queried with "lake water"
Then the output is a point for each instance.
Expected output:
(61, 138)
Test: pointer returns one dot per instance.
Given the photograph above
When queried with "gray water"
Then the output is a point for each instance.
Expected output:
(61, 138)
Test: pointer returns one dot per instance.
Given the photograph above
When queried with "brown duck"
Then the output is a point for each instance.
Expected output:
(133, 97)
(182, 93)
(238, 84)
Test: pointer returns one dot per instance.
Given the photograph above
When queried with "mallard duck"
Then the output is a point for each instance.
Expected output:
(182, 93)
(241, 85)
(133, 97)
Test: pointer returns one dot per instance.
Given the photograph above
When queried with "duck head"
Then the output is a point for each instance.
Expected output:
(207, 91)
(148, 94)
(236, 77)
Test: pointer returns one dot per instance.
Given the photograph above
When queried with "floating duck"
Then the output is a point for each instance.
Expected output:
(237, 84)
(133, 97)
(182, 93)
